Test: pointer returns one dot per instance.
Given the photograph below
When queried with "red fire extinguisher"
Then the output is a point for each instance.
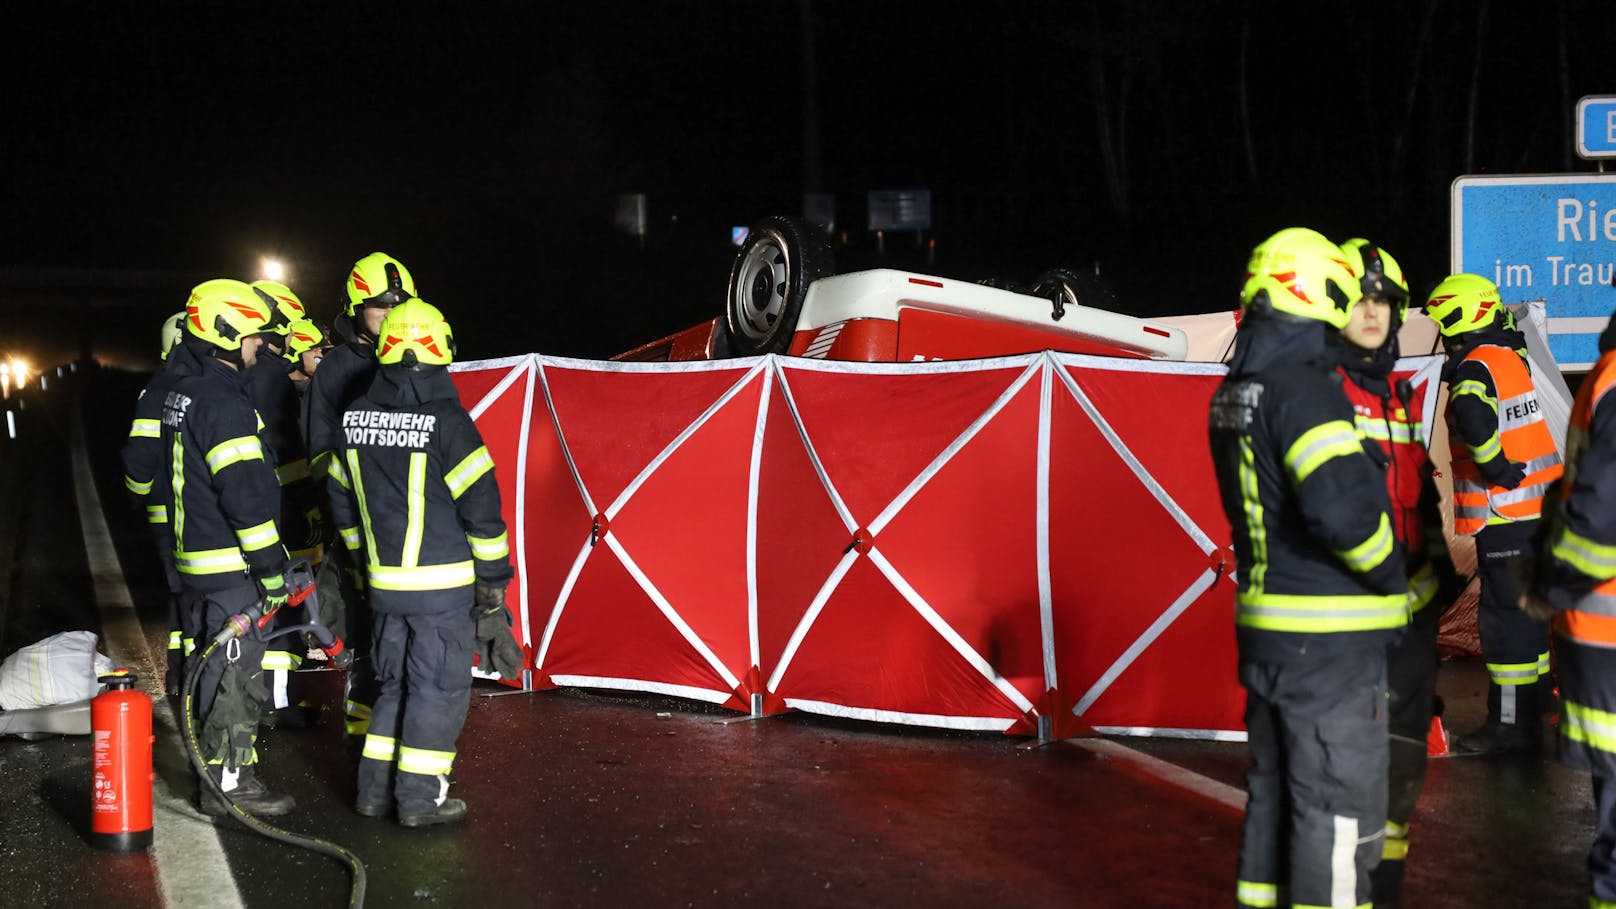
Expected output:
(121, 800)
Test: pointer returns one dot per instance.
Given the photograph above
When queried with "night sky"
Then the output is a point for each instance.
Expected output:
(146, 148)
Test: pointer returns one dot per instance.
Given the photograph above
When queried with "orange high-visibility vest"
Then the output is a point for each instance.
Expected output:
(1594, 621)
(1525, 439)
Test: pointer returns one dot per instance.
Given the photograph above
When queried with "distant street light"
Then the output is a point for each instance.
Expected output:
(273, 269)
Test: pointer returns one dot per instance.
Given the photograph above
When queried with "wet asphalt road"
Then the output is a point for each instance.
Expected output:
(593, 799)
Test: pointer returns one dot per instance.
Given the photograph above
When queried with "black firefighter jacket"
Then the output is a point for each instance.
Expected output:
(343, 376)
(145, 472)
(1319, 568)
(272, 391)
(412, 487)
(224, 496)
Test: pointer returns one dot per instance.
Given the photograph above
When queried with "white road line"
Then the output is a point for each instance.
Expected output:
(192, 870)
(1167, 772)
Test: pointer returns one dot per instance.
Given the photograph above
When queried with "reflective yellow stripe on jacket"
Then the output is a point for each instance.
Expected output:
(1313, 448)
(489, 549)
(209, 561)
(422, 577)
(234, 451)
(1320, 613)
(468, 471)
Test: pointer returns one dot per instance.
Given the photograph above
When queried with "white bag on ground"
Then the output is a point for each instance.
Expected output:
(58, 670)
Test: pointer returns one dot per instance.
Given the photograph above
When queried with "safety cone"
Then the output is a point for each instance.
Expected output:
(1436, 740)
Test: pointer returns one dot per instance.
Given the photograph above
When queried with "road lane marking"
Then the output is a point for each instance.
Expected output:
(1168, 772)
(192, 870)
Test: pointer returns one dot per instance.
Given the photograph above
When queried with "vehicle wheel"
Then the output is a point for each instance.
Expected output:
(1073, 287)
(770, 278)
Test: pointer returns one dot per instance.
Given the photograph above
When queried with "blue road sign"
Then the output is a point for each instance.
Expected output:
(1550, 237)
(1596, 126)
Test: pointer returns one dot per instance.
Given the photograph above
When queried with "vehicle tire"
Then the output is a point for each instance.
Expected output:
(1076, 288)
(770, 278)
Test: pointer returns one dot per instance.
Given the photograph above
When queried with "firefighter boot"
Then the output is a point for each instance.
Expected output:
(246, 790)
(449, 811)
(1513, 723)
(1500, 738)
(1386, 879)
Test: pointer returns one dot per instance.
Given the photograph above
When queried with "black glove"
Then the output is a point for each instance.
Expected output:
(489, 596)
(1501, 471)
(495, 646)
(273, 592)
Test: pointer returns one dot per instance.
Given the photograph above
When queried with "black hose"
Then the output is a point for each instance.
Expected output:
(356, 869)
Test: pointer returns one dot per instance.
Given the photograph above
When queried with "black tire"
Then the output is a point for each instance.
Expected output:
(1075, 288)
(770, 278)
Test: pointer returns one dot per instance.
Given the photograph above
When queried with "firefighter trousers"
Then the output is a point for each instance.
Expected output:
(1515, 647)
(1411, 670)
(423, 665)
(180, 645)
(1588, 742)
(1316, 808)
(346, 608)
(231, 691)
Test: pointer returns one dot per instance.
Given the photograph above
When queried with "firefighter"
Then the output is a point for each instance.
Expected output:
(224, 502)
(272, 391)
(306, 346)
(1322, 590)
(1576, 585)
(374, 285)
(414, 498)
(1504, 460)
(144, 477)
(1386, 413)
